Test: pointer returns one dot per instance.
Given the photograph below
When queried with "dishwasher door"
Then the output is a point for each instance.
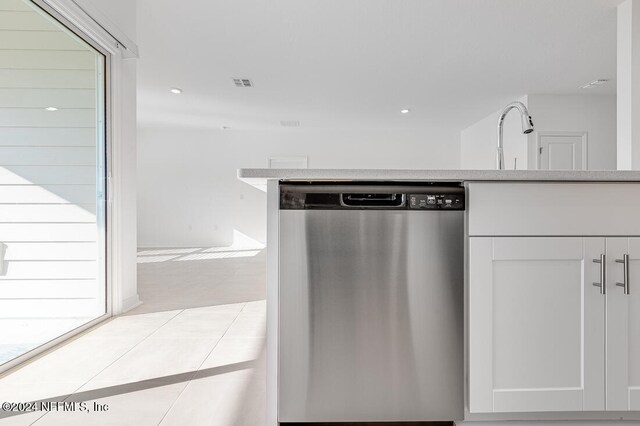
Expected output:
(370, 315)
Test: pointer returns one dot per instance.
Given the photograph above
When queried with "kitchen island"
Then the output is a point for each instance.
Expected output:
(551, 312)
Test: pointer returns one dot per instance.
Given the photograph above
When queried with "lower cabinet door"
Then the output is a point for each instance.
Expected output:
(536, 325)
(623, 324)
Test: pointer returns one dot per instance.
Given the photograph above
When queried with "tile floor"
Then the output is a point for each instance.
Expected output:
(191, 354)
(20, 335)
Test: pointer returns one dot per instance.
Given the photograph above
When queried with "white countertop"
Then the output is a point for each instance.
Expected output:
(259, 177)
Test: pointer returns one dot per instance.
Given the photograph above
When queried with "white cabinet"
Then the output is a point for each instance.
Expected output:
(623, 326)
(536, 325)
(542, 337)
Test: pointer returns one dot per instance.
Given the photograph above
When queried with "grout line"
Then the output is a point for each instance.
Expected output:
(202, 363)
(114, 361)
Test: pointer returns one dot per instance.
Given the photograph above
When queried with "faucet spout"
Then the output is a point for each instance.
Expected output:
(527, 127)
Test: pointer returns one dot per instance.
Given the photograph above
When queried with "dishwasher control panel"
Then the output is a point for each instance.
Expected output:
(436, 201)
(414, 196)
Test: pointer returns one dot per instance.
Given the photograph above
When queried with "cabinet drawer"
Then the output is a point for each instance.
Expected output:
(550, 209)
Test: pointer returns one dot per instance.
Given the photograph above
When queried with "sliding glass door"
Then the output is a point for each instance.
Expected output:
(52, 180)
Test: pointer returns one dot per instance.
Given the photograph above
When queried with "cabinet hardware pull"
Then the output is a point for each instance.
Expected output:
(625, 277)
(603, 274)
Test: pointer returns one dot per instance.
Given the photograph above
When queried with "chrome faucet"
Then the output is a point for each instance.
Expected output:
(527, 127)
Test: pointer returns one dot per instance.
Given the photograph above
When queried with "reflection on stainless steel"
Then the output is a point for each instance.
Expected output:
(370, 315)
(527, 127)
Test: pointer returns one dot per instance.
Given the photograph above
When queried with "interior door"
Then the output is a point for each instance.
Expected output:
(536, 325)
(562, 150)
(623, 325)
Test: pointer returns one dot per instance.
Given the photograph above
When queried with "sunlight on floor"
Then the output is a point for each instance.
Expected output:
(20, 335)
(220, 255)
(243, 246)
(192, 353)
(193, 366)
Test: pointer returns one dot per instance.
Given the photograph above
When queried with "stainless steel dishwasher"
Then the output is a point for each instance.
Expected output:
(370, 302)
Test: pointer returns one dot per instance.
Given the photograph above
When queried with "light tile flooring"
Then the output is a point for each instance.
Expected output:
(191, 354)
(20, 335)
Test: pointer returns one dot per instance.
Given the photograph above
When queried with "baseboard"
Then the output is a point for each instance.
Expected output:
(130, 302)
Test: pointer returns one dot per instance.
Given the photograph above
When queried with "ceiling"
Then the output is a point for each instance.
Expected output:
(357, 63)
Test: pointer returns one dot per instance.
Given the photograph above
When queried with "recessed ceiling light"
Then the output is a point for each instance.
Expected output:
(176, 90)
(593, 83)
(404, 111)
(51, 108)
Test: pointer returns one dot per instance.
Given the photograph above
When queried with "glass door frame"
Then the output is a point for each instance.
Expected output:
(103, 188)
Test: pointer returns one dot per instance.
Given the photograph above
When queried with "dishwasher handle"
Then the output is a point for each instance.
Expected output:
(372, 200)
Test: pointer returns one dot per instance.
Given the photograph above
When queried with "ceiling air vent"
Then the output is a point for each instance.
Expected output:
(290, 123)
(242, 82)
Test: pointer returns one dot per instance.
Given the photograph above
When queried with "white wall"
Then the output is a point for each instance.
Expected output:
(188, 193)
(479, 141)
(595, 114)
(126, 191)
